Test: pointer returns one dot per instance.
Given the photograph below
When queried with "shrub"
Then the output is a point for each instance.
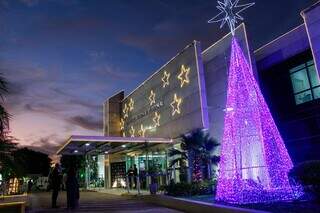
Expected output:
(308, 175)
(187, 189)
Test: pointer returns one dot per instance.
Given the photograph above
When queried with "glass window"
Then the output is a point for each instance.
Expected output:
(303, 97)
(305, 82)
(300, 81)
(302, 66)
(314, 77)
(316, 93)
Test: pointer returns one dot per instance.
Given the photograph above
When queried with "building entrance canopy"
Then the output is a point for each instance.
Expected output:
(80, 145)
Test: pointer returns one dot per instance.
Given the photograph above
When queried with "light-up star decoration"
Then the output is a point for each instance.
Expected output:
(131, 104)
(132, 131)
(175, 104)
(165, 79)
(230, 13)
(125, 111)
(121, 124)
(152, 98)
(156, 119)
(142, 131)
(184, 75)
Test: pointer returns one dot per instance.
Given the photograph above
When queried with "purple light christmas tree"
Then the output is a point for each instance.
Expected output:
(254, 160)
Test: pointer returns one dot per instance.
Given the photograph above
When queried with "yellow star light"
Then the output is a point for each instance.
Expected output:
(165, 79)
(184, 76)
(121, 124)
(131, 104)
(142, 131)
(132, 131)
(156, 119)
(152, 98)
(175, 104)
(125, 111)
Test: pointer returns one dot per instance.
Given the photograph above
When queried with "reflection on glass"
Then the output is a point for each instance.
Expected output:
(303, 97)
(316, 93)
(300, 81)
(314, 76)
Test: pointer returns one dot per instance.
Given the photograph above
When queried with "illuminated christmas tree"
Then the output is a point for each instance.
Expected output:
(254, 161)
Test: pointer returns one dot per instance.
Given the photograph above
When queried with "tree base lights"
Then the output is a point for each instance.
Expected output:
(254, 161)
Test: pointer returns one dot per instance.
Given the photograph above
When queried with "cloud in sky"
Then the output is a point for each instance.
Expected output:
(63, 58)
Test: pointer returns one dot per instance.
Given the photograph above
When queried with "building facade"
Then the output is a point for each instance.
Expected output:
(190, 90)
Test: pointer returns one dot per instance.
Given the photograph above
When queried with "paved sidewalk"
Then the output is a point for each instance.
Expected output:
(94, 202)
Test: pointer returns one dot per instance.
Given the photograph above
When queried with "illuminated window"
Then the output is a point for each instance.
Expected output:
(305, 82)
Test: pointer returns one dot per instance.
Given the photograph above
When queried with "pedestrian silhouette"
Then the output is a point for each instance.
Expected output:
(72, 186)
(55, 182)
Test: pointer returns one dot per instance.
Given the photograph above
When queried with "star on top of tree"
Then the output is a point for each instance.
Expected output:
(230, 13)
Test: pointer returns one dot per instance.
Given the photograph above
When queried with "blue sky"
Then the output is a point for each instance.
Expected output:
(63, 58)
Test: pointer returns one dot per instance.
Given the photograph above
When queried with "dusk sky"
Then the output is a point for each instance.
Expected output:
(63, 58)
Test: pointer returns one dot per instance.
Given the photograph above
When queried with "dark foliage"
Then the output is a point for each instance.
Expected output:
(7, 165)
(189, 189)
(308, 175)
(31, 162)
(196, 146)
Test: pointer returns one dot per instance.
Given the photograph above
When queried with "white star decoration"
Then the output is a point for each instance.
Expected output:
(152, 98)
(175, 104)
(132, 131)
(142, 131)
(131, 104)
(184, 75)
(165, 79)
(156, 119)
(121, 124)
(230, 13)
(125, 111)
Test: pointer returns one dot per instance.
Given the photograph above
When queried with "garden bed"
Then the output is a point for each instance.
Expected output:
(279, 207)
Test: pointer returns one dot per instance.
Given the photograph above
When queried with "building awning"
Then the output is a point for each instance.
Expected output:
(80, 145)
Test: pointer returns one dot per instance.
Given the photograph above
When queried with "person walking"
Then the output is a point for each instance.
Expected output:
(72, 186)
(55, 181)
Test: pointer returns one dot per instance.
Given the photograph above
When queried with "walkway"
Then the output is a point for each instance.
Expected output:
(95, 202)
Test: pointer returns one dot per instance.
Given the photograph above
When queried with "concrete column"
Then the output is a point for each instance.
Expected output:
(311, 18)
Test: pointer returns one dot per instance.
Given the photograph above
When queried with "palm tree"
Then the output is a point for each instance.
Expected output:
(197, 148)
(6, 143)
(4, 115)
(180, 158)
